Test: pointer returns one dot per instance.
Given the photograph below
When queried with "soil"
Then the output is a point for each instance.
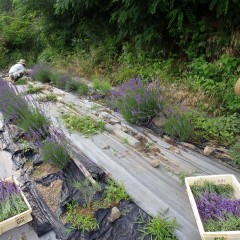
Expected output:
(51, 194)
(43, 170)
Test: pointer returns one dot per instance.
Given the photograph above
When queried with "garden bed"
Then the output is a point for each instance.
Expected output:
(227, 181)
(14, 205)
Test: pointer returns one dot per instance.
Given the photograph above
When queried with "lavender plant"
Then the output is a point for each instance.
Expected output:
(178, 125)
(24, 112)
(136, 102)
(217, 208)
(55, 150)
(214, 206)
(62, 80)
(11, 202)
(41, 72)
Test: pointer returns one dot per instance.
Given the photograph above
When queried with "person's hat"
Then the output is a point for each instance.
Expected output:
(22, 61)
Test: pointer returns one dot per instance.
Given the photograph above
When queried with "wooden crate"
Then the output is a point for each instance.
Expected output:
(217, 179)
(19, 219)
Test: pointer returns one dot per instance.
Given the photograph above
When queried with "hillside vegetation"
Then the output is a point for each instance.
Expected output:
(190, 47)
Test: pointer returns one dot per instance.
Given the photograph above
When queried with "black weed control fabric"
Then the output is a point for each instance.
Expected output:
(127, 227)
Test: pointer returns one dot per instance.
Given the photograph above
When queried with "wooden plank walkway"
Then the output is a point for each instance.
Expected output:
(154, 190)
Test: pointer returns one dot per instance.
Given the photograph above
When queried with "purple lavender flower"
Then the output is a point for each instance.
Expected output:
(213, 206)
(7, 189)
(136, 102)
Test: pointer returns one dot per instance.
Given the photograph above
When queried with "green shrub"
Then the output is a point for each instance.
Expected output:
(179, 125)
(61, 80)
(55, 153)
(136, 102)
(234, 152)
(224, 130)
(76, 86)
(42, 73)
(82, 88)
(101, 86)
(216, 79)
(72, 86)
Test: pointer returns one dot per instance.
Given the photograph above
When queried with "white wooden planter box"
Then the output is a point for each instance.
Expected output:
(217, 179)
(19, 219)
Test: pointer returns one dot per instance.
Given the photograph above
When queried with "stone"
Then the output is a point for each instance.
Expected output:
(114, 121)
(115, 214)
(158, 121)
(188, 145)
(208, 151)
(104, 115)
(1, 126)
(155, 163)
(105, 146)
(222, 150)
(174, 149)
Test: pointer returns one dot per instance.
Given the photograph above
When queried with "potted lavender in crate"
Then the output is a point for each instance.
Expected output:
(215, 201)
(14, 207)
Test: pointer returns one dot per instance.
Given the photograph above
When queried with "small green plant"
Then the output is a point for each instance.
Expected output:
(182, 177)
(149, 144)
(125, 140)
(78, 220)
(55, 153)
(235, 152)
(86, 189)
(82, 88)
(178, 125)
(101, 86)
(70, 105)
(160, 228)
(32, 90)
(51, 97)
(115, 192)
(21, 81)
(85, 125)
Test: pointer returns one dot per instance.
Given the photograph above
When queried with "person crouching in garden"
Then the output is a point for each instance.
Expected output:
(17, 71)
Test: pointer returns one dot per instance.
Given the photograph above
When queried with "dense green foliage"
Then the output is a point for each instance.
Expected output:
(223, 130)
(47, 29)
(235, 152)
(191, 42)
